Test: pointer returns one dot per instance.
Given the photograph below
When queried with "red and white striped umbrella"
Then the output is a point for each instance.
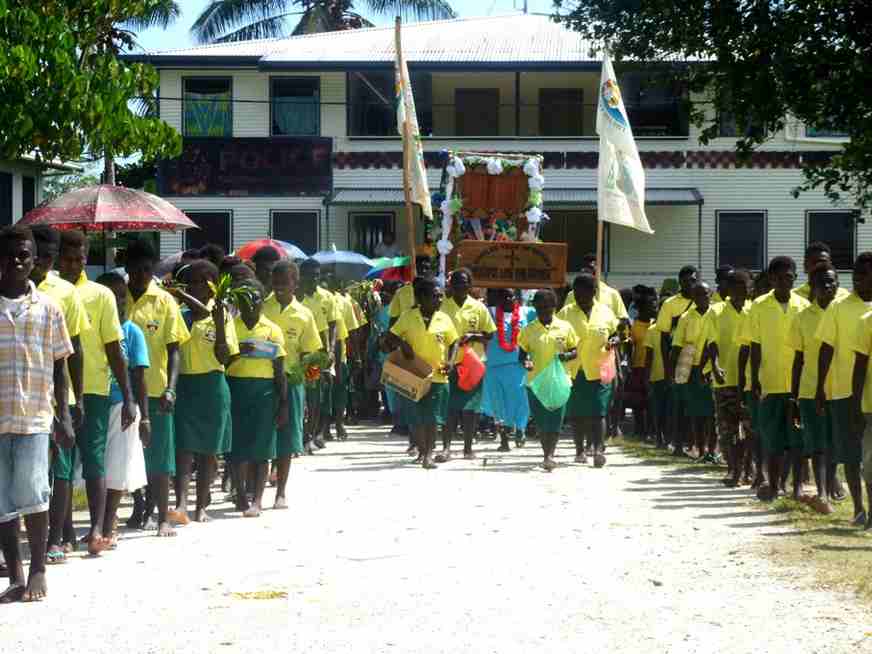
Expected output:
(109, 208)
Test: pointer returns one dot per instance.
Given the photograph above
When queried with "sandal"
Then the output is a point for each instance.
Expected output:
(55, 556)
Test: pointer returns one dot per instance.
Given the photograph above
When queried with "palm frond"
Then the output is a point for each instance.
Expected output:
(314, 20)
(417, 9)
(162, 15)
(266, 28)
(221, 18)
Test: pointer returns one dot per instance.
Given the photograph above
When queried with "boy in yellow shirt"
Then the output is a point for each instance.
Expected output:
(695, 394)
(863, 395)
(637, 390)
(768, 329)
(816, 429)
(430, 334)
(838, 332)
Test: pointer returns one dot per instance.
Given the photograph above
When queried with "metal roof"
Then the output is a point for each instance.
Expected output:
(553, 197)
(515, 41)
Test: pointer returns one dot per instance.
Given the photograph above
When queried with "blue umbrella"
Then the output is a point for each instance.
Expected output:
(348, 265)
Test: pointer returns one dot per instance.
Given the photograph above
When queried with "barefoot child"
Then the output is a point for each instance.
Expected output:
(301, 338)
(595, 326)
(34, 345)
(125, 462)
(816, 429)
(540, 341)
(430, 334)
(259, 393)
(202, 418)
(158, 315)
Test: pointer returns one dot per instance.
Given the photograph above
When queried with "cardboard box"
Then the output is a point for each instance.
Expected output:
(408, 377)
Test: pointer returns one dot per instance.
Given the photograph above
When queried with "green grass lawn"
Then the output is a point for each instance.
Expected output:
(839, 554)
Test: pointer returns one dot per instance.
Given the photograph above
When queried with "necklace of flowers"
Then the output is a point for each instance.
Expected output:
(516, 329)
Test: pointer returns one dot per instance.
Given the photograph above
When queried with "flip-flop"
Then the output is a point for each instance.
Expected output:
(55, 557)
(859, 519)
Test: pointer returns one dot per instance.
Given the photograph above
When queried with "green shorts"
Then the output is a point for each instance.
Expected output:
(431, 409)
(64, 462)
(817, 431)
(290, 437)
(867, 449)
(847, 441)
(91, 438)
(547, 422)
(776, 433)
(589, 398)
(753, 405)
(696, 396)
(160, 455)
(657, 400)
(341, 389)
(461, 400)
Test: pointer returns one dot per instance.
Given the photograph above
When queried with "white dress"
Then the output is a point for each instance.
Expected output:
(125, 462)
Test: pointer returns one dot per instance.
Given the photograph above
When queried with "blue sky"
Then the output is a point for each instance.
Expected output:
(177, 35)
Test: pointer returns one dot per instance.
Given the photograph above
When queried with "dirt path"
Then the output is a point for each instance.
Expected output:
(380, 556)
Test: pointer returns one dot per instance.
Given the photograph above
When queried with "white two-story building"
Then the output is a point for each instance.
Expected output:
(296, 139)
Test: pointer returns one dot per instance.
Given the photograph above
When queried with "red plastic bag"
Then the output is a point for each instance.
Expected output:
(470, 370)
(608, 370)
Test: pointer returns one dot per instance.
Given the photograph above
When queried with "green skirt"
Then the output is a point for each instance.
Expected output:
(461, 400)
(589, 399)
(547, 422)
(429, 410)
(160, 455)
(253, 406)
(290, 437)
(817, 431)
(203, 424)
(341, 389)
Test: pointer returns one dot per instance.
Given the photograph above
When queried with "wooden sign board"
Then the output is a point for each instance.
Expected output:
(513, 264)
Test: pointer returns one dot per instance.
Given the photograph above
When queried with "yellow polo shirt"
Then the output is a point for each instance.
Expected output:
(639, 336)
(605, 294)
(470, 318)
(592, 335)
(725, 323)
(803, 339)
(251, 367)
(743, 338)
(403, 300)
(298, 327)
(652, 342)
(75, 316)
(542, 343)
(769, 325)
(716, 298)
(197, 354)
(322, 304)
(672, 309)
(693, 329)
(103, 328)
(838, 329)
(804, 292)
(432, 343)
(863, 345)
(158, 315)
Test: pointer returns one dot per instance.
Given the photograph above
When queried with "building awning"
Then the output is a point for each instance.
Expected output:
(553, 197)
(586, 197)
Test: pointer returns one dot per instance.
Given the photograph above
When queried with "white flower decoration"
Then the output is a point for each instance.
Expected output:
(455, 168)
(445, 207)
(494, 167)
(531, 168)
(537, 182)
(534, 215)
(444, 246)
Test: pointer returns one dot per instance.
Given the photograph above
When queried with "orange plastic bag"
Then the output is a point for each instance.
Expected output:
(608, 370)
(470, 370)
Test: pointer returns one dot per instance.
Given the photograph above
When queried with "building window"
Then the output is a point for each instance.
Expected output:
(741, 239)
(297, 227)
(728, 127)
(575, 228)
(28, 194)
(215, 227)
(296, 106)
(477, 112)
(368, 229)
(5, 199)
(824, 132)
(372, 103)
(655, 104)
(838, 229)
(561, 112)
(208, 107)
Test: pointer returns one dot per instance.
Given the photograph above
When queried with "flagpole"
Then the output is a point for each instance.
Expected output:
(599, 245)
(407, 193)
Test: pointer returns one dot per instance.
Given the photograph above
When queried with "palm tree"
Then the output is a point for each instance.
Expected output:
(242, 20)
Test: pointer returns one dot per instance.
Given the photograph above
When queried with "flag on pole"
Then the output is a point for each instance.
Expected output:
(407, 126)
(621, 178)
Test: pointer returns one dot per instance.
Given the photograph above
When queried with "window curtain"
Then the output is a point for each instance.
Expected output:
(297, 115)
(208, 114)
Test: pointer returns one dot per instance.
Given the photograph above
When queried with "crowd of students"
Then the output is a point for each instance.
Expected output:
(141, 383)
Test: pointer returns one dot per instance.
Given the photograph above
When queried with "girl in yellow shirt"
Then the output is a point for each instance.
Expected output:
(259, 398)
(430, 334)
(202, 416)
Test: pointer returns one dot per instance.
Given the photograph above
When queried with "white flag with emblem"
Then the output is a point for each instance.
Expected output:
(621, 178)
(406, 112)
